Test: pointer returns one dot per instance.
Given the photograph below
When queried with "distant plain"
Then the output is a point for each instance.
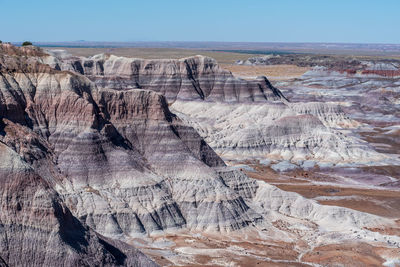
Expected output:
(227, 54)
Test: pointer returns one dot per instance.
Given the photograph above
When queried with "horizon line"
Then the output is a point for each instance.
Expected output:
(178, 41)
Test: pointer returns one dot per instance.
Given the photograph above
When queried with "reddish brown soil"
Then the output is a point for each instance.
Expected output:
(357, 254)
(384, 73)
(392, 140)
(383, 202)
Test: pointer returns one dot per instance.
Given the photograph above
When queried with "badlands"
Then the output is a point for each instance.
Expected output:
(112, 160)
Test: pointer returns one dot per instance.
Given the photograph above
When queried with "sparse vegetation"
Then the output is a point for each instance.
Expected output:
(1, 41)
(26, 43)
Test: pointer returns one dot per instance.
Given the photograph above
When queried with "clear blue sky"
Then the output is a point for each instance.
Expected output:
(355, 21)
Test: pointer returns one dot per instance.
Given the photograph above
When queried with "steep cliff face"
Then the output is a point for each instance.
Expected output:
(36, 227)
(120, 160)
(82, 162)
(240, 119)
(190, 78)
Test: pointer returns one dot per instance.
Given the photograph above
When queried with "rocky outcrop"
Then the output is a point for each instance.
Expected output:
(246, 123)
(36, 226)
(86, 165)
(120, 160)
(190, 78)
(295, 131)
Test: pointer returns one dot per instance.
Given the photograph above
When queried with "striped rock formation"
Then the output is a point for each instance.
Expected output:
(192, 78)
(118, 162)
(85, 167)
(240, 119)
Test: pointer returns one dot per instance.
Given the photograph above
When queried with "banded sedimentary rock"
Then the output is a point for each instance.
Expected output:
(239, 118)
(81, 162)
(38, 229)
(189, 78)
(277, 131)
(122, 162)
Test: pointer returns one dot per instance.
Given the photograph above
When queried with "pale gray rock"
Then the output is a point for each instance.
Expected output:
(37, 228)
(284, 166)
(83, 160)
(278, 131)
(235, 119)
(123, 163)
(189, 78)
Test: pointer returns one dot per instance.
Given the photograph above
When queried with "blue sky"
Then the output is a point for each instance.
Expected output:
(354, 21)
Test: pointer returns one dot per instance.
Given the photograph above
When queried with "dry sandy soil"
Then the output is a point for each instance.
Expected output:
(383, 202)
(273, 72)
(250, 248)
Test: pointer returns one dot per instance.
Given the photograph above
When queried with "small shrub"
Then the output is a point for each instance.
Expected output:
(26, 43)
(1, 41)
